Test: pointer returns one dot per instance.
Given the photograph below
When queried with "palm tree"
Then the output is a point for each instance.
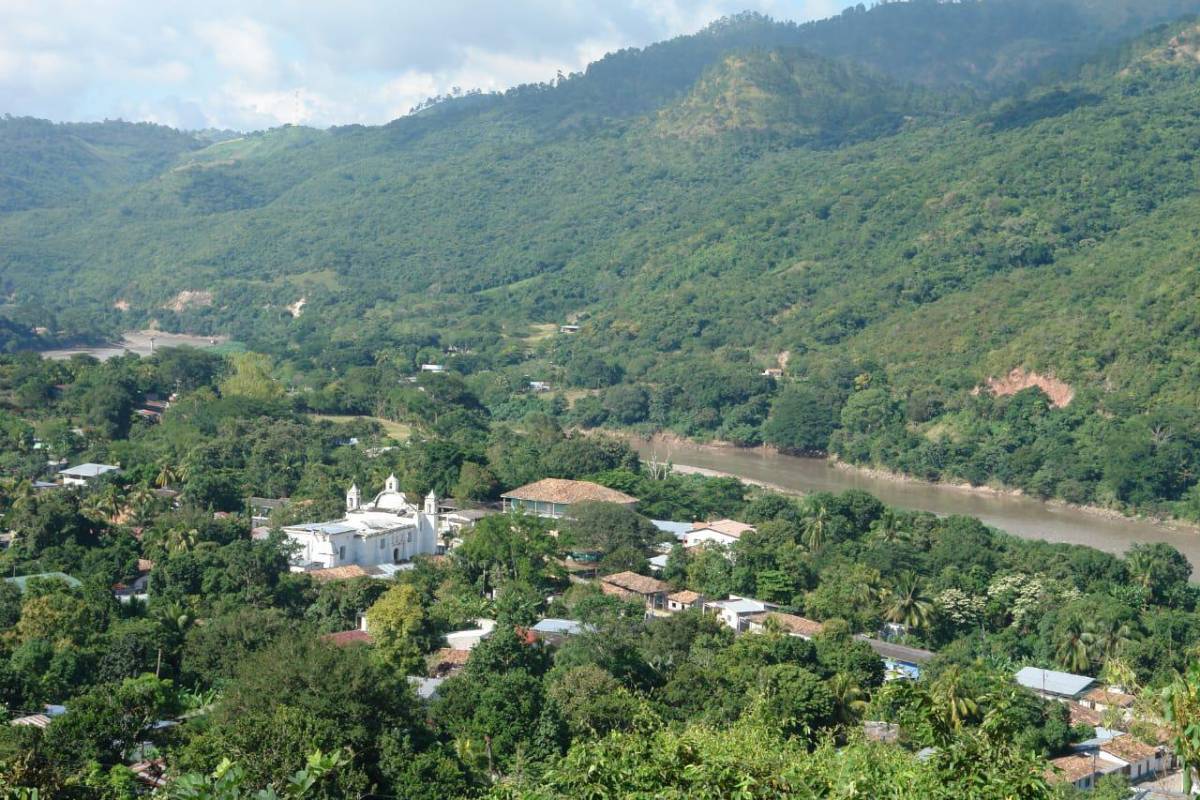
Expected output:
(143, 503)
(1106, 638)
(849, 699)
(815, 530)
(1072, 650)
(953, 698)
(907, 602)
(888, 529)
(181, 540)
(167, 475)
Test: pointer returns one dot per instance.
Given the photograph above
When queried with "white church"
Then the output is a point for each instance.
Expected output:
(387, 530)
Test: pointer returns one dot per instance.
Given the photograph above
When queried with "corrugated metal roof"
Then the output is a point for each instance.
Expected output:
(564, 626)
(1064, 684)
(676, 529)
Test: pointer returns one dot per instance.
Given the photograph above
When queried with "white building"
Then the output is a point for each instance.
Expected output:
(736, 611)
(724, 532)
(388, 530)
(84, 474)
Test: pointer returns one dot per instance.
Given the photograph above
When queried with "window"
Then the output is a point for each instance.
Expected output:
(381, 543)
(342, 553)
(408, 537)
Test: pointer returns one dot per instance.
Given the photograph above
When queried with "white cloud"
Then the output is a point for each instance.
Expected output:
(256, 63)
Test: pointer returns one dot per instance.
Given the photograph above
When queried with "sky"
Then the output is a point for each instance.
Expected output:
(251, 64)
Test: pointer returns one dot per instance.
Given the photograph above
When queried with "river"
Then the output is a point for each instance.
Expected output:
(1021, 516)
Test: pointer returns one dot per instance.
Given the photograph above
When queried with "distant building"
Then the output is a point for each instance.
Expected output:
(774, 373)
(632, 586)
(261, 508)
(539, 386)
(724, 532)
(387, 530)
(736, 611)
(84, 474)
(433, 368)
(685, 600)
(468, 639)
(899, 661)
(1054, 685)
(790, 624)
(556, 631)
(553, 497)
(568, 329)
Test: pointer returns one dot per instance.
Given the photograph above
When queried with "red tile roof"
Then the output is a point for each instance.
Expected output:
(347, 638)
(789, 623)
(686, 597)
(565, 492)
(339, 573)
(633, 583)
(1129, 749)
(1109, 697)
(728, 527)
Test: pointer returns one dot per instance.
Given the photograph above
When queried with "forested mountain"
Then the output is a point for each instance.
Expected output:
(896, 205)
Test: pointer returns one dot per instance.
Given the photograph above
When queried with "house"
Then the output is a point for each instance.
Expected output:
(557, 631)
(790, 624)
(568, 329)
(1139, 761)
(388, 530)
(1054, 685)
(426, 688)
(657, 563)
(631, 586)
(42, 719)
(899, 661)
(433, 368)
(1102, 698)
(354, 636)
(735, 611)
(678, 530)
(467, 639)
(553, 497)
(684, 601)
(261, 508)
(539, 386)
(774, 373)
(84, 474)
(722, 531)
(1081, 770)
(22, 581)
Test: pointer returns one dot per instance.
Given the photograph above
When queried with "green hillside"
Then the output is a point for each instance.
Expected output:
(897, 205)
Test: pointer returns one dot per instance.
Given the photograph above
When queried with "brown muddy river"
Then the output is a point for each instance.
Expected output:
(1021, 516)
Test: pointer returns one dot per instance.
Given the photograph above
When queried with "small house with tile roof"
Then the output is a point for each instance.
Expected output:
(791, 624)
(684, 601)
(553, 497)
(724, 532)
(632, 586)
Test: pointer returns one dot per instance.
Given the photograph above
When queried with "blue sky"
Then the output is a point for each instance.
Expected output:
(249, 64)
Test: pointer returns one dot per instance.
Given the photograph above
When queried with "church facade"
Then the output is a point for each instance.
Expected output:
(386, 530)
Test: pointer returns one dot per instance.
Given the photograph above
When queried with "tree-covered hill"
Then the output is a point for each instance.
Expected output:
(43, 164)
(897, 219)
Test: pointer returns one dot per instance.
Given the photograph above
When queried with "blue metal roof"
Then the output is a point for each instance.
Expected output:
(676, 529)
(563, 626)
(1064, 684)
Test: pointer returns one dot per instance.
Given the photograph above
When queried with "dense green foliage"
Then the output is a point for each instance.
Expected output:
(228, 643)
(959, 190)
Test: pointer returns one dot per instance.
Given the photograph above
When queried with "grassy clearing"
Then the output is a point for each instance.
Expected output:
(397, 430)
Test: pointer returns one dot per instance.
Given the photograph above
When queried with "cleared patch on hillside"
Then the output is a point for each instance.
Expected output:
(189, 299)
(1060, 393)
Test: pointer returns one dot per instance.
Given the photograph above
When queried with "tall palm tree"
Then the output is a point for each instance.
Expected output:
(849, 699)
(814, 531)
(143, 503)
(1106, 639)
(954, 698)
(181, 539)
(1072, 649)
(907, 602)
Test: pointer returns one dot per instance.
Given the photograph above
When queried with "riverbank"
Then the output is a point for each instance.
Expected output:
(669, 441)
(1014, 513)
